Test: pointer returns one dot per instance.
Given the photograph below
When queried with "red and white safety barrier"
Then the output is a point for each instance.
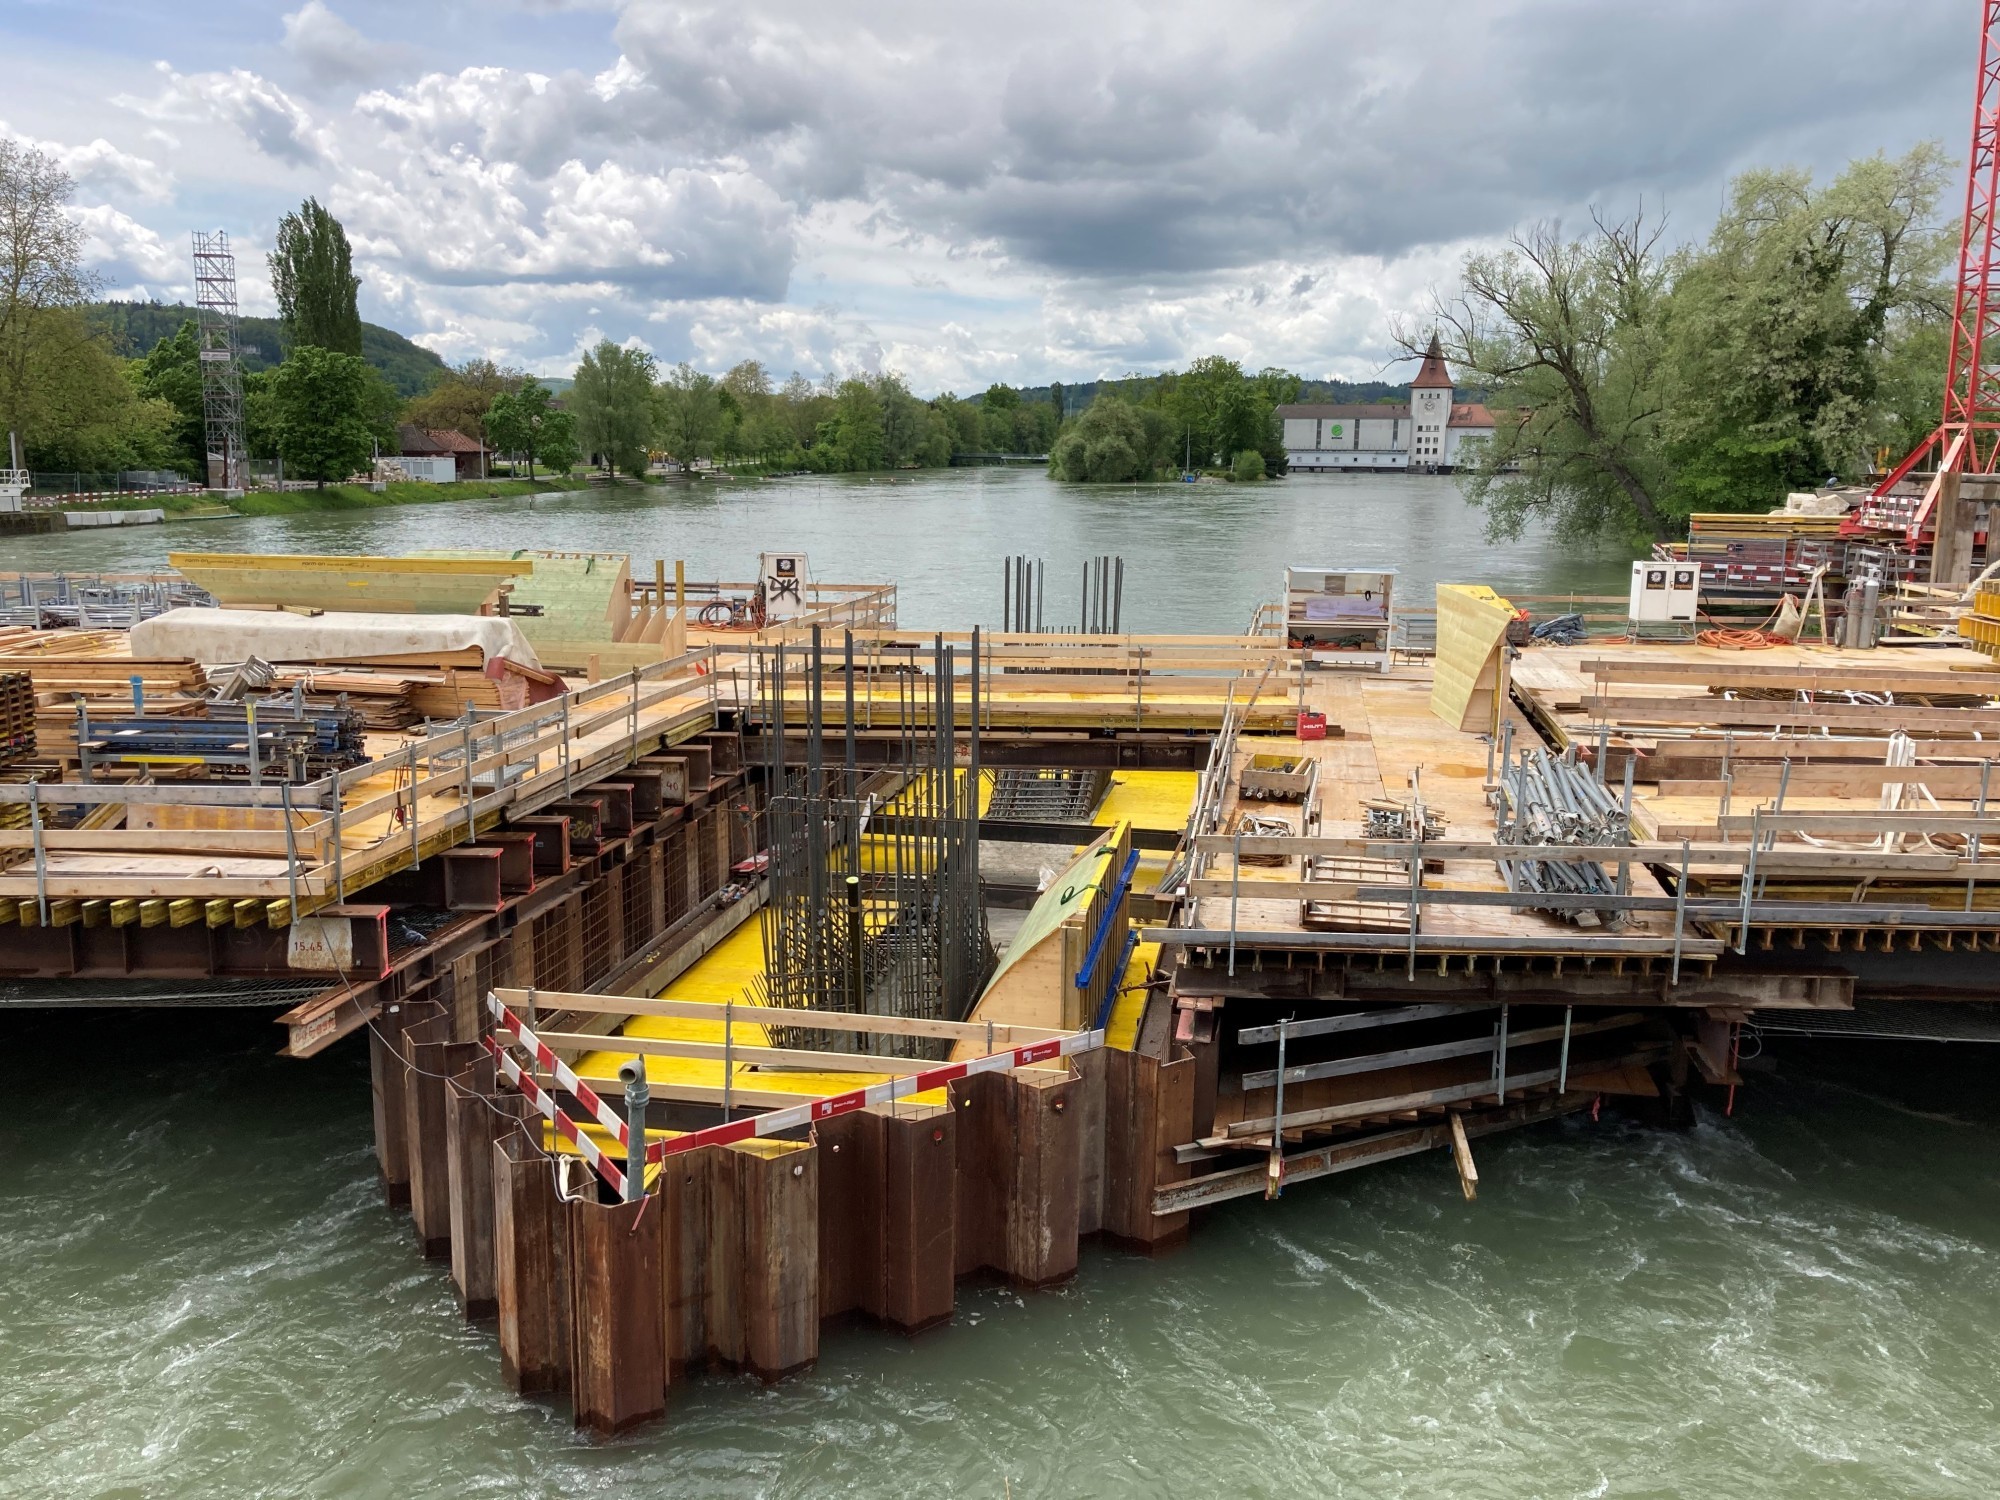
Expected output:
(771, 1122)
(790, 1118)
(561, 1071)
(567, 1128)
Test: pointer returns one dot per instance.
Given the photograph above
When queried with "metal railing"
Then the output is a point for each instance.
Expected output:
(467, 772)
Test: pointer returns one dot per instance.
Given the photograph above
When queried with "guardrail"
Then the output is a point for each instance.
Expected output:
(403, 807)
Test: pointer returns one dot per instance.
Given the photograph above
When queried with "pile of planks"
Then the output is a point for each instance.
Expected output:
(17, 717)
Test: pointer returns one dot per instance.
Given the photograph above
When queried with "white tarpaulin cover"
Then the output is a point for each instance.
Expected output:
(233, 635)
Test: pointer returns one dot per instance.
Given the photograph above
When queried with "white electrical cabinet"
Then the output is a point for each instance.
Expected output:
(1341, 617)
(1665, 593)
(783, 577)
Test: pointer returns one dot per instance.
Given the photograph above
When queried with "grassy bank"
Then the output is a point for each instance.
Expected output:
(408, 492)
(336, 497)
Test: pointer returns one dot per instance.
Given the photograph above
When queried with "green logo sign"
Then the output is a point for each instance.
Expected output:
(1333, 429)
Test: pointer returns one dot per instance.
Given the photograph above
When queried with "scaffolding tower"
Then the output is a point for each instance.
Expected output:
(221, 366)
(874, 903)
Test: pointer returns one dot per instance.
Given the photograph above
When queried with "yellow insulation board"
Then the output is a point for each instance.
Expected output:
(1469, 677)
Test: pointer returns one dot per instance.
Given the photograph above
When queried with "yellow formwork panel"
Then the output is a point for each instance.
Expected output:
(723, 974)
(1121, 1028)
(1468, 680)
(1148, 799)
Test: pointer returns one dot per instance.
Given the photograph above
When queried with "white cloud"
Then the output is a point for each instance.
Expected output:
(971, 193)
(121, 248)
(102, 166)
(263, 113)
(333, 52)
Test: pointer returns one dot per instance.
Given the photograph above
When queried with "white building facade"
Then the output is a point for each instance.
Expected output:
(1430, 434)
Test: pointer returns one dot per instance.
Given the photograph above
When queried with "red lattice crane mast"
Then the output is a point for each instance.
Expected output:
(1967, 440)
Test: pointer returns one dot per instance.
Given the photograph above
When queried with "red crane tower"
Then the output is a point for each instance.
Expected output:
(1967, 440)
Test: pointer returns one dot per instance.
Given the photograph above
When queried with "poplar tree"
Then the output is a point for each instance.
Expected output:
(312, 276)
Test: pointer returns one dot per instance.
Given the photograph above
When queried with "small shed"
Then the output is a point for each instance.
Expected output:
(440, 454)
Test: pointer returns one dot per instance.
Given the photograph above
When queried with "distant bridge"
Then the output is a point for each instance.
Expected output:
(970, 460)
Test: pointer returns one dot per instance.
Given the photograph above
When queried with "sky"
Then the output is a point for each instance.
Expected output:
(963, 193)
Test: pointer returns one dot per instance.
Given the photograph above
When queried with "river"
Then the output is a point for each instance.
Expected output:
(202, 1295)
(1197, 557)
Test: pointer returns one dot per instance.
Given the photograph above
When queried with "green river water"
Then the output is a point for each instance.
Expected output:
(201, 1295)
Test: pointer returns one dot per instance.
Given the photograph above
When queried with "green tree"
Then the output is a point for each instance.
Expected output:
(853, 439)
(691, 413)
(612, 401)
(42, 284)
(1567, 336)
(525, 422)
(1113, 442)
(1781, 331)
(1248, 466)
(312, 276)
(321, 403)
(460, 401)
(172, 373)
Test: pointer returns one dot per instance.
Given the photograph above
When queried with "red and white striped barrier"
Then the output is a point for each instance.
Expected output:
(561, 1071)
(790, 1118)
(771, 1122)
(567, 1128)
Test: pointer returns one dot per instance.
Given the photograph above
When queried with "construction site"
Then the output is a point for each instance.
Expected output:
(736, 959)
(733, 958)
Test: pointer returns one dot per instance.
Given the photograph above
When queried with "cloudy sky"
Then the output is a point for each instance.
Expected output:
(965, 193)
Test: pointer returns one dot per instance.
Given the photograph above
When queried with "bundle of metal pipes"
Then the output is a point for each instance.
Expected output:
(1550, 799)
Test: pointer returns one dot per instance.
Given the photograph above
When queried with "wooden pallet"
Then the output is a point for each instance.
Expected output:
(1354, 916)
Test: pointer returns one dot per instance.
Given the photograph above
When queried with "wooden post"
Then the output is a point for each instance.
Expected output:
(1461, 1155)
(531, 1266)
(1951, 554)
(618, 1370)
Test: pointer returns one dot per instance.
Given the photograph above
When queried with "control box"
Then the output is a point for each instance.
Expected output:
(783, 576)
(1665, 592)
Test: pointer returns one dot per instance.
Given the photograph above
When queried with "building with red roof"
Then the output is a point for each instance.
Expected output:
(1428, 434)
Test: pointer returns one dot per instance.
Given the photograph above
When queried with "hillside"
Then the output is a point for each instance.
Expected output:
(133, 328)
(1080, 394)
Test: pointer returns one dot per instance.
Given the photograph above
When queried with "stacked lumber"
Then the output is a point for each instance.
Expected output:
(28, 641)
(382, 699)
(109, 679)
(17, 717)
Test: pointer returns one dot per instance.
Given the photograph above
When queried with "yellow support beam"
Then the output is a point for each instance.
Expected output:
(279, 913)
(96, 913)
(7, 909)
(183, 913)
(124, 912)
(220, 912)
(64, 913)
(153, 913)
(248, 912)
(28, 914)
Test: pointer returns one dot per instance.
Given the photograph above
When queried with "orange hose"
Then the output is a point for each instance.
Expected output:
(1737, 640)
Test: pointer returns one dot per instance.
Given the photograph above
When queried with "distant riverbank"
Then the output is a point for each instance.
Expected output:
(206, 505)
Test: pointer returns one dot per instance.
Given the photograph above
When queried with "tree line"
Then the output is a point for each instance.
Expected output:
(1634, 383)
